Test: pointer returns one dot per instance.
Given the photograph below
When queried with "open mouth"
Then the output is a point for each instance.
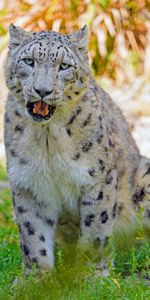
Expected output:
(40, 110)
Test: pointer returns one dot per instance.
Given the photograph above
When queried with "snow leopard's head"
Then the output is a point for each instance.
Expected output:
(45, 70)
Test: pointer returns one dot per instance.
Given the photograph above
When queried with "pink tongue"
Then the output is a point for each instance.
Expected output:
(41, 108)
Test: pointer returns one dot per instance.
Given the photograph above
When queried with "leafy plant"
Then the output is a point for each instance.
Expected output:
(116, 28)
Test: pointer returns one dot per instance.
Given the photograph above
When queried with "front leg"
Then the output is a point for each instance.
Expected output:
(37, 227)
(98, 211)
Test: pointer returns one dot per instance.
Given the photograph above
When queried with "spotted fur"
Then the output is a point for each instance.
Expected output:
(79, 170)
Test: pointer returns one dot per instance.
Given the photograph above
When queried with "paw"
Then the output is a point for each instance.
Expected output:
(102, 269)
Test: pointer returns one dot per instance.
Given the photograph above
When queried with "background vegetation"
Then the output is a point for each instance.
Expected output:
(118, 29)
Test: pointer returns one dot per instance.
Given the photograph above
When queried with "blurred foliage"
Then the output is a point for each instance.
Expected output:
(118, 29)
(3, 173)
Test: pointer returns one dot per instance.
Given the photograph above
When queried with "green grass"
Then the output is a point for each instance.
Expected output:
(3, 173)
(68, 282)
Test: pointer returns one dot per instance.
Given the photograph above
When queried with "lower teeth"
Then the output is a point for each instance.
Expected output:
(44, 115)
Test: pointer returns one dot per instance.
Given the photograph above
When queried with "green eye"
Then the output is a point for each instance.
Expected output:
(64, 66)
(29, 61)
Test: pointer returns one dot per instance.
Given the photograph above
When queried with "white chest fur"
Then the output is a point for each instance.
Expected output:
(50, 172)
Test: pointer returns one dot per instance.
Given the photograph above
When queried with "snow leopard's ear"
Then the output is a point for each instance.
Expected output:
(80, 39)
(17, 35)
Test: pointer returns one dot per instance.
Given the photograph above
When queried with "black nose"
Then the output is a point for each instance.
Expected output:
(43, 93)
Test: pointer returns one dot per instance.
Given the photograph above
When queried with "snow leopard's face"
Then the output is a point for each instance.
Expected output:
(46, 69)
